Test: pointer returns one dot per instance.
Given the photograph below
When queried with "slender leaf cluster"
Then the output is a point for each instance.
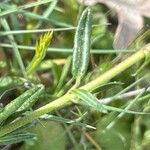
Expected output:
(40, 51)
(23, 102)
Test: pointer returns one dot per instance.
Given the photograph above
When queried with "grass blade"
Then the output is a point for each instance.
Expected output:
(14, 46)
(26, 6)
(69, 50)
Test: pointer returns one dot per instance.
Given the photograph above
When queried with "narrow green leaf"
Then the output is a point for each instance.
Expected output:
(40, 52)
(56, 70)
(110, 108)
(48, 11)
(16, 137)
(26, 6)
(81, 48)
(32, 99)
(10, 108)
(90, 100)
(68, 121)
(113, 122)
(5, 25)
(34, 16)
(63, 75)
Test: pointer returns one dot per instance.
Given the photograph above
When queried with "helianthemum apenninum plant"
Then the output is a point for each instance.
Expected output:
(20, 114)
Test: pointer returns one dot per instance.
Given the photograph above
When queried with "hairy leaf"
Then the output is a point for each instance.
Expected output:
(91, 101)
(16, 137)
(82, 45)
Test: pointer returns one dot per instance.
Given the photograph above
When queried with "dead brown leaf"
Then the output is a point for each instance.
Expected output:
(130, 17)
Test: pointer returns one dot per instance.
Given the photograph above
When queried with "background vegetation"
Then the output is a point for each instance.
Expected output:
(76, 126)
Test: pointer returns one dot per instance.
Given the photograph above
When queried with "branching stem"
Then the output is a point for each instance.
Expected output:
(67, 98)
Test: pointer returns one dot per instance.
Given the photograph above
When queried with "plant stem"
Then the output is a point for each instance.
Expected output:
(26, 6)
(69, 50)
(62, 101)
(104, 78)
(67, 98)
(15, 32)
(124, 96)
(5, 25)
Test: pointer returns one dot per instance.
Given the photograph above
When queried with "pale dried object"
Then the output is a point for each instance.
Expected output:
(130, 18)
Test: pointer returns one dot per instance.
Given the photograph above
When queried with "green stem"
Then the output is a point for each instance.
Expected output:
(118, 69)
(5, 25)
(26, 6)
(67, 98)
(69, 50)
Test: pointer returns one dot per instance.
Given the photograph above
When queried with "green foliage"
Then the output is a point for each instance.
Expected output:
(75, 122)
(16, 137)
(30, 101)
(40, 52)
(90, 100)
(64, 73)
(23, 102)
(8, 82)
(47, 137)
(82, 45)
